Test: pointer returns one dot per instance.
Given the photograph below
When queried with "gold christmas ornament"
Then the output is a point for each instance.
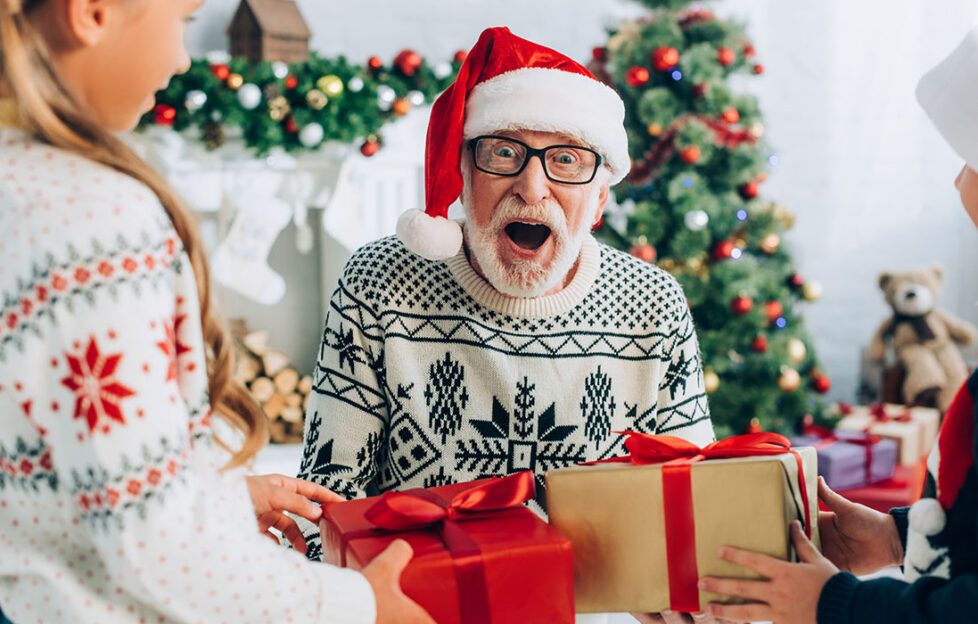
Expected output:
(316, 99)
(783, 215)
(330, 85)
(789, 379)
(667, 264)
(695, 263)
(278, 108)
(711, 381)
(756, 130)
(796, 350)
(235, 81)
(740, 242)
(811, 291)
(770, 243)
(655, 129)
(629, 30)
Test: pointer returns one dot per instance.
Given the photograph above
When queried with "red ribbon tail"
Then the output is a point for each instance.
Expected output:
(680, 527)
(470, 574)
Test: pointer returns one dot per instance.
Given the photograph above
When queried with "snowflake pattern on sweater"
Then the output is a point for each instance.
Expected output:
(112, 508)
(427, 376)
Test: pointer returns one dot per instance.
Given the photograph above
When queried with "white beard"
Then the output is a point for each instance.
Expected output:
(524, 278)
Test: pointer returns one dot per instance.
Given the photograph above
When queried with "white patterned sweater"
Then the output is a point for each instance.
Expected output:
(112, 509)
(427, 375)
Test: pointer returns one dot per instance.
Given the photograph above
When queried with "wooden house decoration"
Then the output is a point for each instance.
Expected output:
(269, 30)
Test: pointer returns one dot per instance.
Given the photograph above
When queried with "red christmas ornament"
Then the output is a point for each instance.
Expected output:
(822, 384)
(749, 190)
(290, 125)
(749, 50)
(755, 426)
(758, 69)
(726, 56)
(164, 115)
(222, 71)
(723, 249)
(731, 115)
(773, 310)
(664, 58)
(690, 154)
(796, 281)
(759, 345)
(369, 148)
(408, 61)
(741, 305)
(599, 54)
(460, 56)
(636, 76)
(374, 62)
(291, 82)
(644, 252)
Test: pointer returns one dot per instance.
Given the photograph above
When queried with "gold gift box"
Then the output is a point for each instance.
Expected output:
(613, 514)
(914, 437)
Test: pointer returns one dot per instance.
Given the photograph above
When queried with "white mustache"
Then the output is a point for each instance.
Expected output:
(546, 211)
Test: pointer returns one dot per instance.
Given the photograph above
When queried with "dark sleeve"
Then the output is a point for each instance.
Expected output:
(931, 600)
(902, 520)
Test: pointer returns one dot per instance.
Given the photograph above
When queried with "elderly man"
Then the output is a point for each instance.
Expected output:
(514, 341)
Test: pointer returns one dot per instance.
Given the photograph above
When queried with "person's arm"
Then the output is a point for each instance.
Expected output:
(930, 600)
(347, 417)
(110, 371)
(683, 410)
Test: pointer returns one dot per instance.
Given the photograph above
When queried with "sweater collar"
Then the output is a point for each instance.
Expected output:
(548, 305)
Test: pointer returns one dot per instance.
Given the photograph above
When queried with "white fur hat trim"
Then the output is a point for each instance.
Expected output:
(949, 95)
(927, 517)
(552, 100)
(434, 238)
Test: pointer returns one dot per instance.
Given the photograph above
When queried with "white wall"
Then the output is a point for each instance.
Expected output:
(867, 178)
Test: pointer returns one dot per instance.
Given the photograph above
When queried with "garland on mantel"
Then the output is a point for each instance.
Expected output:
(298, 106)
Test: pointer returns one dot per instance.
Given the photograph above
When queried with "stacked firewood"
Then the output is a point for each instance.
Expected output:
(270, 377)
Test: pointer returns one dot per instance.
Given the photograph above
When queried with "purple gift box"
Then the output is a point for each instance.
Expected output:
(843, 464)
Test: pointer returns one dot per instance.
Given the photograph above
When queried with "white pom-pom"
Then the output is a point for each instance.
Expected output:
(434, 238)
(927, 517)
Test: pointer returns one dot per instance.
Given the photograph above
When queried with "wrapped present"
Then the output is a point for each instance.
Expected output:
(914, 429)
(903, 490)
(480, 556)
(646, 527)
(848, 459)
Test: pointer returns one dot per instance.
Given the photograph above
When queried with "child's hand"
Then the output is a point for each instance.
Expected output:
(787, 595)
(857, 538)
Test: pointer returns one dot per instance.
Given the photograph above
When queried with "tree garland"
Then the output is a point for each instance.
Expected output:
(299, 106)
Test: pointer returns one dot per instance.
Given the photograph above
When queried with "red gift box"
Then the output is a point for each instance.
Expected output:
(480, 556)
(903, 490)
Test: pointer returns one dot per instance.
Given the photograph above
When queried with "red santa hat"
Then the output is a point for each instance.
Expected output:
(508, 83)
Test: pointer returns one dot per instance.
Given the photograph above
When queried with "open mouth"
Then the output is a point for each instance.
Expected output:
(529, 236)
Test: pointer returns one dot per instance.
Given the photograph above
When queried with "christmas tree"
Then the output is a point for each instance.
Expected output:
(693, 205)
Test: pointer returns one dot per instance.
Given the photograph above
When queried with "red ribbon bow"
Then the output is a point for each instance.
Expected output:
(677, 456)
(418, 508)
(879, 413)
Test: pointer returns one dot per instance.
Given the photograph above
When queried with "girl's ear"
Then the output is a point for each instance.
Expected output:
(85, 20)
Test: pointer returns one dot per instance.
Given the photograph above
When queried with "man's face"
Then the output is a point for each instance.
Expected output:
(525, 232)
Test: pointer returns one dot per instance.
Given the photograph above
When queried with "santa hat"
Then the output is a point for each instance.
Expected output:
(508, 83)
(949, 95)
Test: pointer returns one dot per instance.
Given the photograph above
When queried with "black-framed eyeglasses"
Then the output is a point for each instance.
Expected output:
(505, 156)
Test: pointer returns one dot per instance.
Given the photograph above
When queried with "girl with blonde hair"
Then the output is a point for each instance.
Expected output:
(124, 441)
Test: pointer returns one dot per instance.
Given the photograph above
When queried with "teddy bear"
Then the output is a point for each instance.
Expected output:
(923, 337)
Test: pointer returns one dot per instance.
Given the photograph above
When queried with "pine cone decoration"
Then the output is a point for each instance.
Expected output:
(213, 135)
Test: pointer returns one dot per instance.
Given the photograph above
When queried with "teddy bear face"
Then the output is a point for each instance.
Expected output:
(913, 292)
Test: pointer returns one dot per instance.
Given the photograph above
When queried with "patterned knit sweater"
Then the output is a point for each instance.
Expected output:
(112, 509)
(427, 375)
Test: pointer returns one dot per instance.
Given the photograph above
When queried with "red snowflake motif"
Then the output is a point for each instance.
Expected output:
(12, 321)
(153, 476)
(171, 246)
(82, 274)
(26, 306)
(46, 462)
(130, 265)
(92, 379)
(172, 466)
(172, 347)
(150, 262)
(42, 294)
(113, 496)
(26, 467)
(105, 269)
(59, 283)
(134, 487)
(83, 502)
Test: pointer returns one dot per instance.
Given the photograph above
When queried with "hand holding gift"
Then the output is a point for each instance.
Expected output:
(384, 575)
(272, 495)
